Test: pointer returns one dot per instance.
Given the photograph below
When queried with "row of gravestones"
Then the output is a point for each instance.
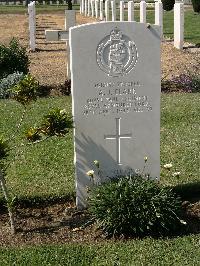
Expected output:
(178, 18)
(101, 10)
(70, 21)
(50, 2)
(32, 25)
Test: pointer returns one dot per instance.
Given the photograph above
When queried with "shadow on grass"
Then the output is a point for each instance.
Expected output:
(51, 50)
(37, 201)
(41, 38)
(49, 42)
(39, 28)
(168, 32)
(188, 191)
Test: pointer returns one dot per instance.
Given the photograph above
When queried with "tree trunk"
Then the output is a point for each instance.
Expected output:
(69, 3)
(5, 192)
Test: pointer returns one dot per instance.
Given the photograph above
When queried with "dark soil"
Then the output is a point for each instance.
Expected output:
(62, 223)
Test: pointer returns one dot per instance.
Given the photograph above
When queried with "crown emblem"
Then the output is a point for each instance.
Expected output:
(115, 35)
(116, 54)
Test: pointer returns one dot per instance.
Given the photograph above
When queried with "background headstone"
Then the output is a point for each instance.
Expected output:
(178, 25)
(32, 26)
(143, 11)
(116, 100)
(101, 16)
(107, 10)
(121, 11)
(70, 21)
(113, 10)
(159, 15)
(130, 10)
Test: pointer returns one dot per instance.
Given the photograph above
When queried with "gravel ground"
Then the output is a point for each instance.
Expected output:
(48, 64)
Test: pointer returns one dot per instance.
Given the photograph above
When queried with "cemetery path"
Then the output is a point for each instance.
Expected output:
(48, 63)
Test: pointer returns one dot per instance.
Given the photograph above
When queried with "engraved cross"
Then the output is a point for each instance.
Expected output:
(118, 136)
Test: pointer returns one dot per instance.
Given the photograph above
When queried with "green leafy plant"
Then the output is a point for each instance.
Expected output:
(134, 206)
(168, 4)
(196, 83)
(33, 134)
(196, 5)
(13, 58)
(26, 90)
(7, 83)
(56, 122)
(182, 83)
(65, 88)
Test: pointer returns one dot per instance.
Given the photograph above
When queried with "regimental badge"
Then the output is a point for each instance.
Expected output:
(116, 54)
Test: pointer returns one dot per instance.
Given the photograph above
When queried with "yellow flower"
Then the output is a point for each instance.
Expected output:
(145, 159)
(63, 111)
(90, 173)
(176, 174)
(167, 166)
(96, 163)
(87, 189)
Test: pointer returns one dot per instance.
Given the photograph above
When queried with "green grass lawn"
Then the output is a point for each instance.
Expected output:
(178, 251)
(39, 169)
(12, 9)
(46, 169)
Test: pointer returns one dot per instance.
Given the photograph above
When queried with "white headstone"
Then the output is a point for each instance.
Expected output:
(82, 6)
(143, 6)
(101, 10)
(116, 100)
(178, 25)
(89, 8)
(32, 25)
(159, 14)
(86, 9)
(96, 8)
(70, 21)
(92, 7)
(121, 10)
(113, 10)
(131, 11)
(107, 10)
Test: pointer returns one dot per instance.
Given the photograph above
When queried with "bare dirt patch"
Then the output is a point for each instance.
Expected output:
(59, 223)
